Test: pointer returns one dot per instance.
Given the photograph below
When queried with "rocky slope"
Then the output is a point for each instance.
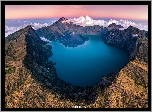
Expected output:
(31, 80)
(61, 28)
(23, 54)
(69, 34)
(133, 40)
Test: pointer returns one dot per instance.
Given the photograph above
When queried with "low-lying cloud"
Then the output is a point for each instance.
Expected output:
(88, 21)
(10, 29)
(83, 21)
(36, 26)
(44, 39)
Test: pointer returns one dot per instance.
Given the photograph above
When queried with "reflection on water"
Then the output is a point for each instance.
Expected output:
(84, 65)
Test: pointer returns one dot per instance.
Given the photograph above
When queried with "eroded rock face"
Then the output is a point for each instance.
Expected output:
(114, 26)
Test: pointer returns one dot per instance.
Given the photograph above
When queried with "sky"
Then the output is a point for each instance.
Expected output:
(134, 12)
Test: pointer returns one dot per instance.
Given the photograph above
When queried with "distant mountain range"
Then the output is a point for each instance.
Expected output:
(31, 80)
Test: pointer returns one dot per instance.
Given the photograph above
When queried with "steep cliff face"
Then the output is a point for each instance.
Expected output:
(133, 40)
(25, 45)
(26, 58)
(17, 44)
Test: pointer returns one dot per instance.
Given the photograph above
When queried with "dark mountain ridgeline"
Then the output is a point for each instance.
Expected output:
(28, 54)
(70, 35)
(34, 77)
(127, 40)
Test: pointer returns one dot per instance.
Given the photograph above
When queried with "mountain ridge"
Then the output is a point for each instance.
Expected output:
(123, 38)
(35, 77)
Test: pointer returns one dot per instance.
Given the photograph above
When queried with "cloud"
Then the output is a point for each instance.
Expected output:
(44, 39)
(83, 21)
(88, 21)
(9, 29)
(36, 26)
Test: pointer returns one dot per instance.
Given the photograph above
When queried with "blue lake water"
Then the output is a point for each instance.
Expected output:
(87, 63)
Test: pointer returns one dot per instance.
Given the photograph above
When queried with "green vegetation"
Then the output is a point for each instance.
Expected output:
(10, 70)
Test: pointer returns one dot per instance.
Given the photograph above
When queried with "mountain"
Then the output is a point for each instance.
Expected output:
(69, 34)
(24, 67)
(133, 40)
(29, 75)
(31, 80)
(72, 35)
(114, 26)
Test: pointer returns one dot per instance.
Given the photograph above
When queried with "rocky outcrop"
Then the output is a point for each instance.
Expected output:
(114, 26)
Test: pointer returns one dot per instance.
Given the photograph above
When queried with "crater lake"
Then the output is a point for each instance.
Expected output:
(86, 64)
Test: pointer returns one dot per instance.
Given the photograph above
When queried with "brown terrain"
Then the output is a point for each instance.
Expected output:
(31, 80)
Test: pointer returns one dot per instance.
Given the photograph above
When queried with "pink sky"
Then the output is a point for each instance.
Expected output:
(138, 12)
